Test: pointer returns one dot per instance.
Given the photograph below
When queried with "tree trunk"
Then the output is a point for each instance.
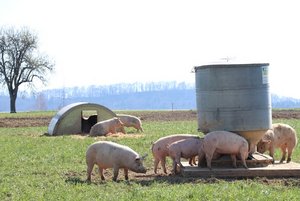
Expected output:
(13, 99)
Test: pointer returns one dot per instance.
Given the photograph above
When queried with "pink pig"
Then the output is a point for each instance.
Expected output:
(107, 126)
(186, 148)
(280, 136)
(160, 148)
(107, 154)
(224, 142)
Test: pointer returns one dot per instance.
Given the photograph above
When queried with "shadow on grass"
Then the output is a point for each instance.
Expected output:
(151, 179)
(75, 181)
(143, 180)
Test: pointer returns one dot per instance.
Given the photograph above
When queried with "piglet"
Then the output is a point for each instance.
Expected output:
(186, 148)
(160, 148)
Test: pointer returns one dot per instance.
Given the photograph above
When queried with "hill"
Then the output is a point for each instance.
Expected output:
(123, 96)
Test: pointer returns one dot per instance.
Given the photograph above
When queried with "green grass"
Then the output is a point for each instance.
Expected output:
(38, 167)
(28, 114)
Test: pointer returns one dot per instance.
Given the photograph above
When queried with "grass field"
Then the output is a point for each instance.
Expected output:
(38, 167)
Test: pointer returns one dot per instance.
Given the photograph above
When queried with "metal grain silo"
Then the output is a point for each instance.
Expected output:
(234, 97)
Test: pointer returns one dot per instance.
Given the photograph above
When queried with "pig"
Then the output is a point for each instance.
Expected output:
(223, 142)
(130, 121)
(186, 148)
(108, 154)
(105, 127)
(160, 148)
(280, 136)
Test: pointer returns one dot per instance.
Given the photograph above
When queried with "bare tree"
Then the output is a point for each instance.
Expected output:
(20, 62)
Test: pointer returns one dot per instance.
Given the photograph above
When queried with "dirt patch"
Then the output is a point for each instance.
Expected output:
(25, 122)
(149, 178)
(116, 135)
(286, 114)
(182, 115)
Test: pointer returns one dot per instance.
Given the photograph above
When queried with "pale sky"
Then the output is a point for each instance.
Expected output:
(115, 41)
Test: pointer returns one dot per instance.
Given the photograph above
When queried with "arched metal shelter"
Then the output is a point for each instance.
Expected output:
(71, 119)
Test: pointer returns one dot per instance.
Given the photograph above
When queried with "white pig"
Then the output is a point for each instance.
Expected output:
(280, 136)
(106, 126)
(186, 148)
(130, 121)
(224, 142)
(160, 148)
(107, 154)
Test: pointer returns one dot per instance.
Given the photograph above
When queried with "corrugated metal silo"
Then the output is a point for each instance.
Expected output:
(234, 97)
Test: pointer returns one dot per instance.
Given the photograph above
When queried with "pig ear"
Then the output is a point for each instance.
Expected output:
(119, 120)
(143, 157)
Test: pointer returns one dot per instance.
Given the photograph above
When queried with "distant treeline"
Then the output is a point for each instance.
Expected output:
(123, 96)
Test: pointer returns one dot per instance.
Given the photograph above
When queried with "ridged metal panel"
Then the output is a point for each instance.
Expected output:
(234, 97)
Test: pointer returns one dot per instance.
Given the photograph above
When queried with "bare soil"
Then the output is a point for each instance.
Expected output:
(182, 115)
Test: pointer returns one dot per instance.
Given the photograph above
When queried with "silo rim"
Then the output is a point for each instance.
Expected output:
(230, 65)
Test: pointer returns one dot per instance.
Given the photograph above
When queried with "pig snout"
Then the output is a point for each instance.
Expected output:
(139, 167)
(142, 170)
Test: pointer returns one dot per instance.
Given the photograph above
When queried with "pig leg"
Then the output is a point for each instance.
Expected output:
(137, 128)
(200, 158)
(156, 161)
(233, 158)
(174, 166)
(283, 149)
(126, 173)
(122, 130)
(141, 129)
(289, 158)
(191, 161)
(178, 162)
(116, 173)
(243, 157)
(208, 160)
(244, 163)
(163, 164)
(271, 153)
(89, 171)
(113, 130)
(101, 173)
(194, 160)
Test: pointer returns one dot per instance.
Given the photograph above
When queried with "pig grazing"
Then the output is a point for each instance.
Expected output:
(130, 121)
(280, 136)
(186, 148)
(160, 148)
(224, 142)
(112, 155)
(105, 127)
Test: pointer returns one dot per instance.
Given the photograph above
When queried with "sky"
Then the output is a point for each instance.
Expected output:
(98, 42)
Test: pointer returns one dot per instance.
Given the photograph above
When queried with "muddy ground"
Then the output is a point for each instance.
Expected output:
(185, 115)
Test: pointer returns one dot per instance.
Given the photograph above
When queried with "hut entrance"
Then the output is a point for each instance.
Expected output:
(88, 119)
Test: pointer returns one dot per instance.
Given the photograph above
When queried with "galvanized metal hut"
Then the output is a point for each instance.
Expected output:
(78, 118)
